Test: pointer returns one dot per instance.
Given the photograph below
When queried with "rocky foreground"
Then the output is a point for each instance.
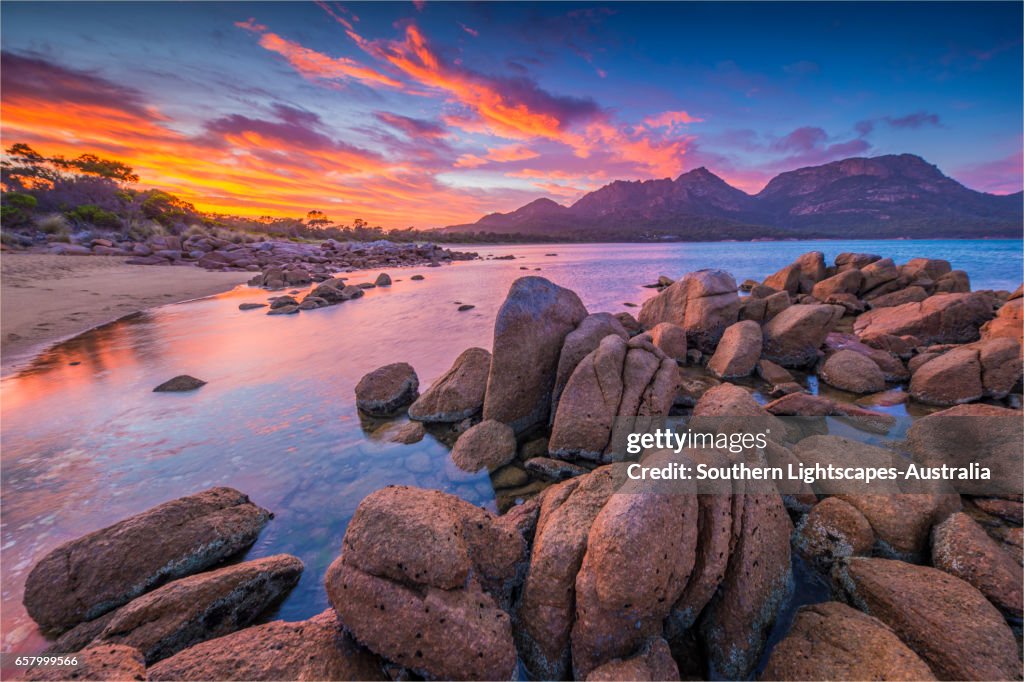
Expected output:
(577, 579)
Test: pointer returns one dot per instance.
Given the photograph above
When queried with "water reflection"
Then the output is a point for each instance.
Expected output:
(84, 445)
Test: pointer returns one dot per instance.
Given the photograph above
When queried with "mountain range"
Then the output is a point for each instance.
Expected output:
(890, 196)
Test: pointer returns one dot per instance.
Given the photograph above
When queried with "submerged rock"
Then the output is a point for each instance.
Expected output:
(85, 578)
(180, 383)
(386, 390)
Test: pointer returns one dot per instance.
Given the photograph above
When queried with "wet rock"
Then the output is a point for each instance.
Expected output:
(112, 662)
(251, 306)
(894, 396)
(831, 530)
(578, 344)
(458, 393)
(314, 649)
(509, 477)
(180, 383)
(383, 280)
(962, 548)
(201, 607)
(671, 339)
(282, 301)
(284, 310)
(85, 578)
(529, 330)
(944, 318)
(757, 582)
(417, 278)
(488, 445)
(464, 307)
(738, 351)
(703, 303)
(831, 641)
(852, 372)
(409, 433)
(652, 662)
(948, 623)
(386, 390)
(442, 568)
(848, 282)
(773, 373)
(547, 608)
(554, 469)
(793, 337)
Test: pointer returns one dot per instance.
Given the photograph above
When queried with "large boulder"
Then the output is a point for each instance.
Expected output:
(854, 261)
(109, 662)
(787, 279)
(201, 607)
(989, 368)
(812, 270)
(738, 351)
(653, 662)
(757, 582)
(943, 318)
(314, 649)
(671, 339)
(901, 521)
(891, 365)
(703, 303)
(443, 569)
(878, 273)
(911, 294)
(548, 605)
(831, 530)
(948, 623)
(456, 394)
(962, 548)
(853, 372)
(386, 390)
(792, 338)
(488, 445)
(85, 578)
(848, 282)
(831, 641)
(579, 343)
(1008, 322)
(925, 268)
(529, 330)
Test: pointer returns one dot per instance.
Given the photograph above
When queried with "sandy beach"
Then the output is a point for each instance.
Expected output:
(49, 297)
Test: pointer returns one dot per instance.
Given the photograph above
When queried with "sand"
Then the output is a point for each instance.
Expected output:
(45, 298)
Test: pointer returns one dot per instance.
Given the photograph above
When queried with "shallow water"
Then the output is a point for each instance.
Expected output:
(85, 445)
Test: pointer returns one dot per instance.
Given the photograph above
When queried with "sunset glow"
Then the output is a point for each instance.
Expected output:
(436, 115)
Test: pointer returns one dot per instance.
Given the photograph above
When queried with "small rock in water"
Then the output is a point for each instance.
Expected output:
(410, 433)
(290, 309)
(550, 254)
(294, 292)
(417, 278)
(509, 477)
(76, 362)
(465, 307)
(251, 306)
(386, 390)
(383, 280)
(182, 382)
(630, 305)
(554, 469)
(888, 398)
(366, 285)
(282, 301)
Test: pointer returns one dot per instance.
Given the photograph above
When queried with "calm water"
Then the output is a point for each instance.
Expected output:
(88, 444)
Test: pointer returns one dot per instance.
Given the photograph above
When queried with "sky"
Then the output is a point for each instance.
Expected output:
(433, 113)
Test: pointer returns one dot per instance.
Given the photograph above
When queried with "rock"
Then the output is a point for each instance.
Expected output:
(383, 280)
(764, 308)
(640, 551)
(314, 649)
(488, 445)
(703, 303)
(877, 273)
(101, 662)
(578, 344)
(653, 662)
(893, 396)
(850, 261)
(850, 303)
(948, 623)
(671, 339)
(852, 372)
(943, 318)
(180, 383)
(85, 578)
(911, 294)
(793, 337)
(1008, 322)
(442, 567)
(547, 608)
(735, 624)
(284, 310)
(831, 641)
(458, 393)
(251, 306)
(831, 530)
(926, 268)
(201, 607)
(847, 282)
(962, 548)
(738, 351)
(949, 379)
(417, 278)
(409, 433)
(901, 521)
(529, 330)
(553, 469)
(892, 367)
(386, 390)
(812, 269)
(955, 281)
(772, 373)
(787, 279)
(509, 477)
(1008, 510)
(464, 307)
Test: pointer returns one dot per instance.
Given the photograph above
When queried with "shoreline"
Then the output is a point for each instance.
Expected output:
(46, 299)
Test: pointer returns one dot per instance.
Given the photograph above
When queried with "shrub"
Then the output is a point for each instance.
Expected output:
(26, 202)
(194, 231)
(17, 208)
(54, 223)
(141, 230)
(94, 215)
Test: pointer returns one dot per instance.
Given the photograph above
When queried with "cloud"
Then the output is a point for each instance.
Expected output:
(802, 68)
(1002, 176)
(670, 119)
(919, 119)
(512, 152)
(471, 31)
(413, 127)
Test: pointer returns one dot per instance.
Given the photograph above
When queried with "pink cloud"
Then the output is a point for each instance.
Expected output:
(1002, 176)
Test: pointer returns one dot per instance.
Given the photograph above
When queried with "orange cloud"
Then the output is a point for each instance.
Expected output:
(670, 119)
(512, 152)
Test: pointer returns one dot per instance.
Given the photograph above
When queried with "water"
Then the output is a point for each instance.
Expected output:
(88, 444)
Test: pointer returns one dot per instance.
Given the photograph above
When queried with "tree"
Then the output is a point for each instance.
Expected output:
(318, 220)
(25, 168)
